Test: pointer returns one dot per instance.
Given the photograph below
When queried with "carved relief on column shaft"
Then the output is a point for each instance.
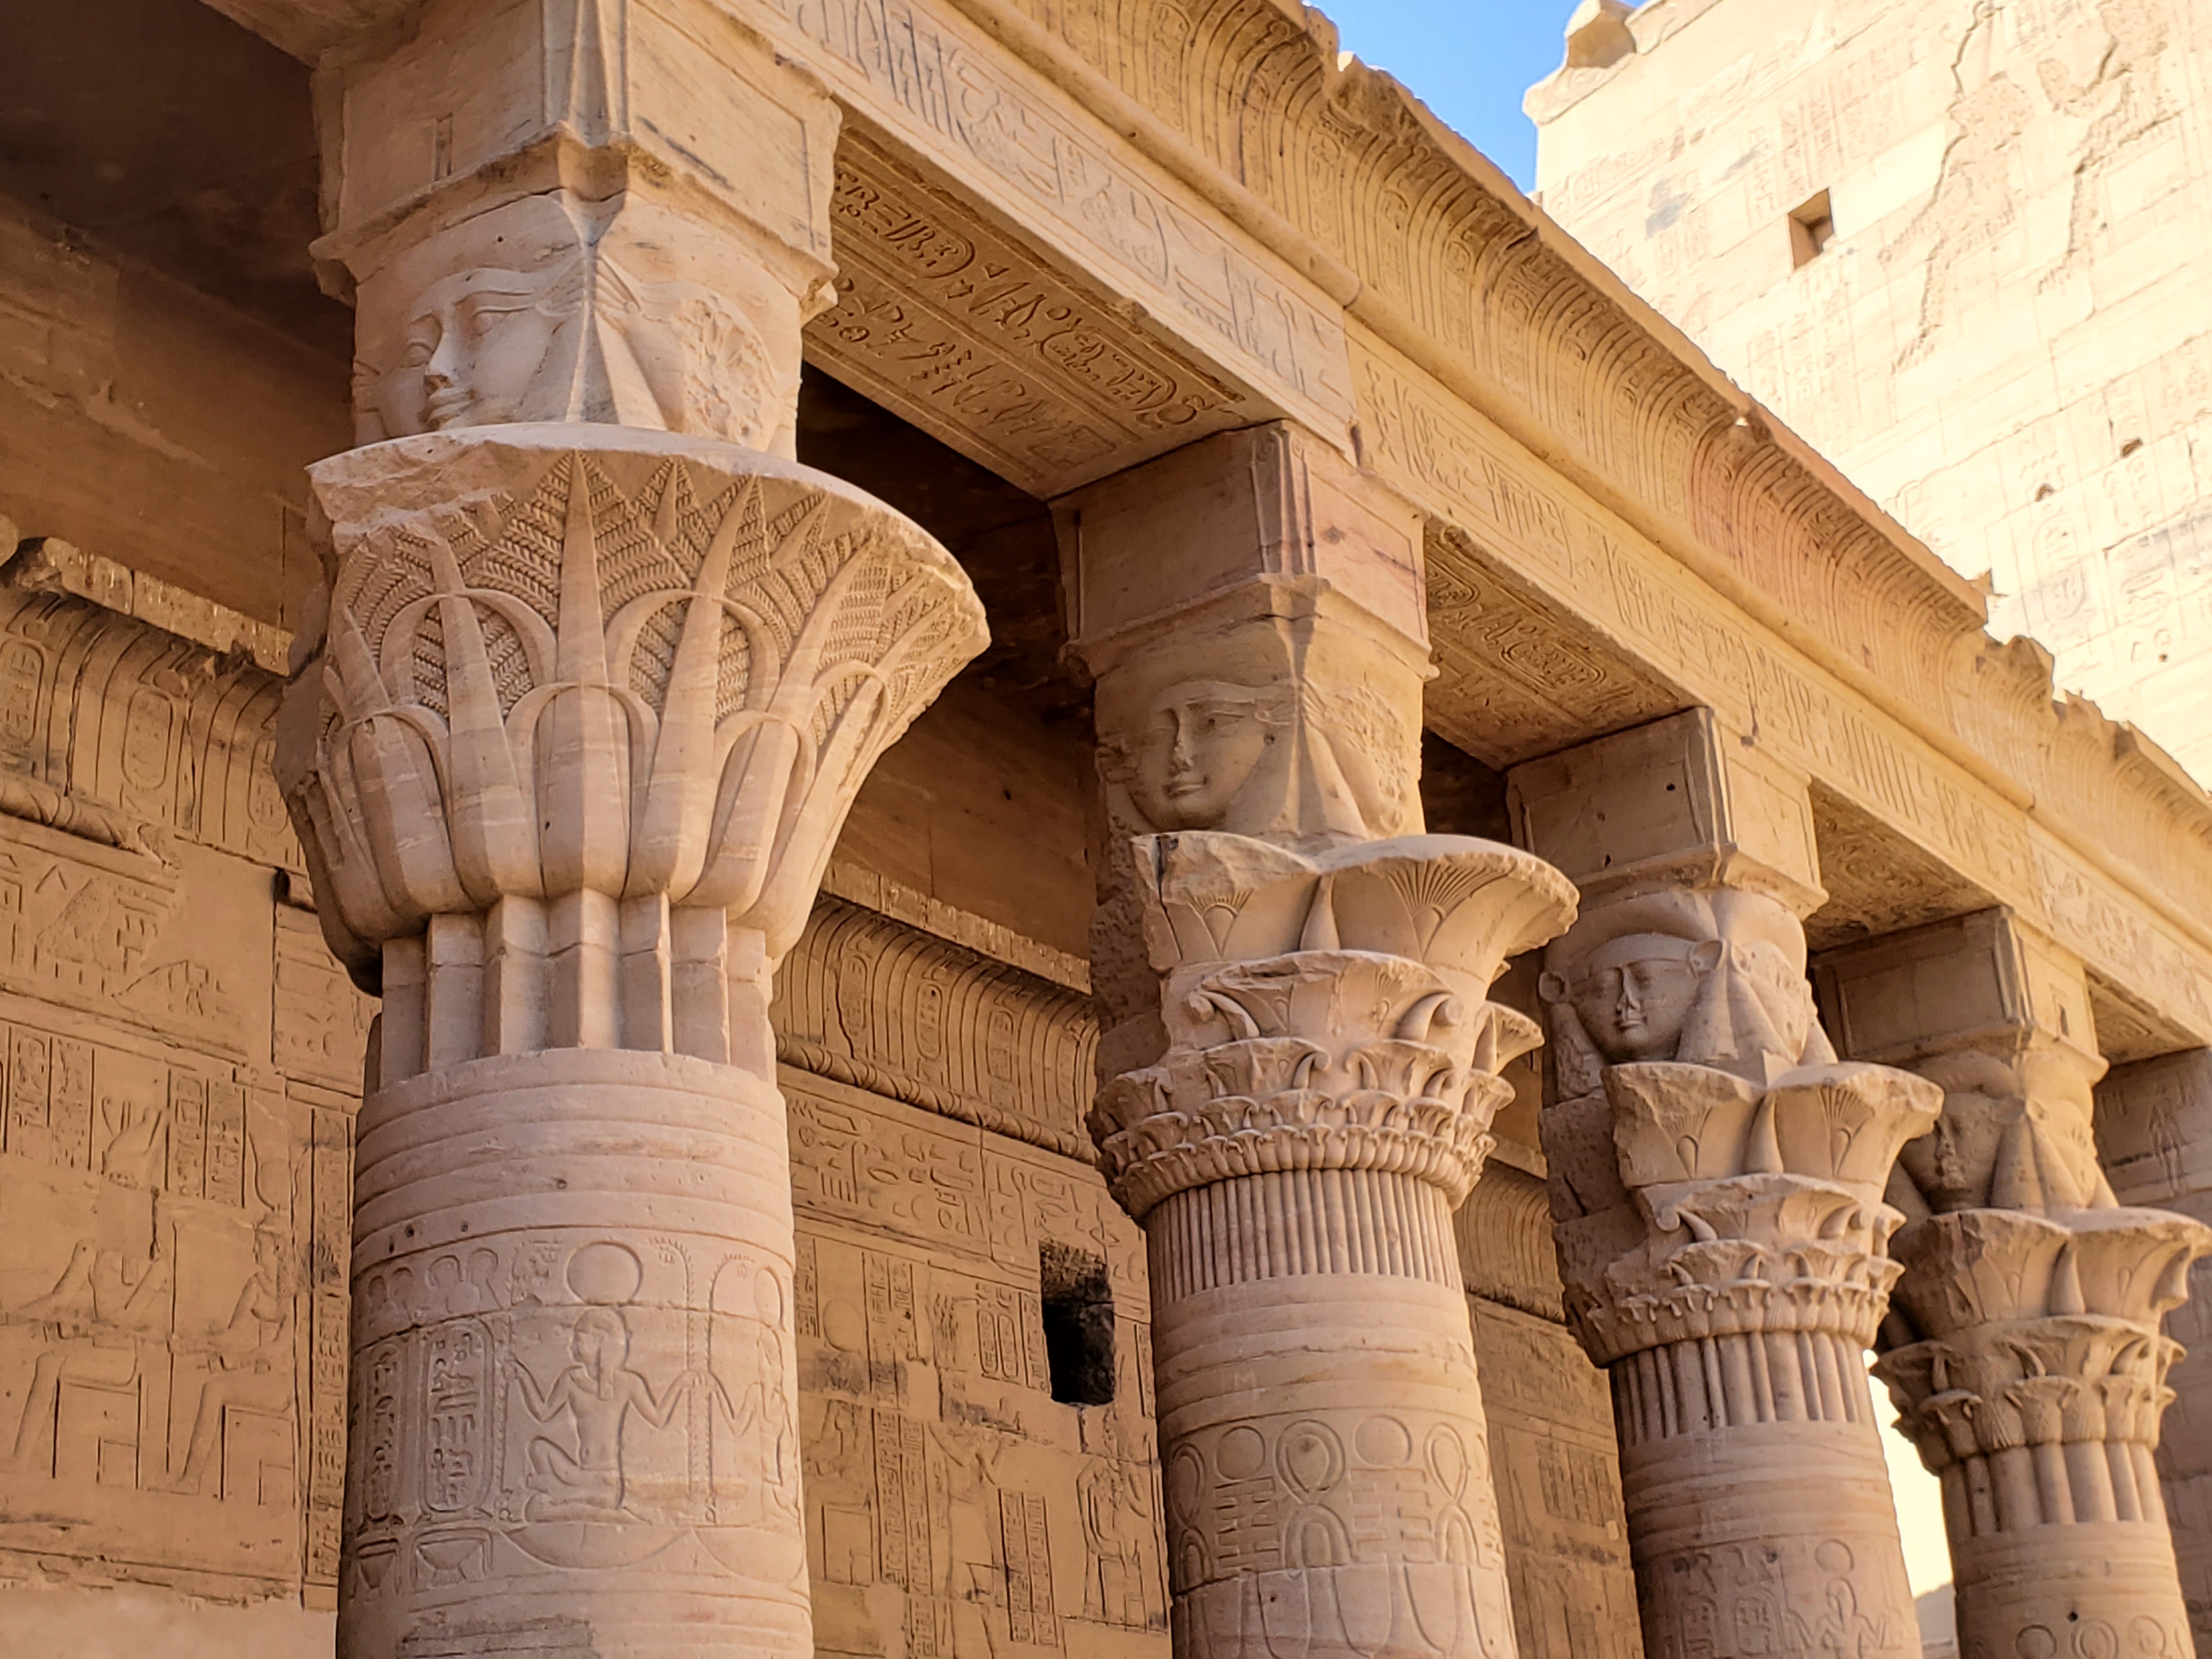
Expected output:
(597, 678)
(1717, 1182)
(1301, 1054)
(2023, 1348)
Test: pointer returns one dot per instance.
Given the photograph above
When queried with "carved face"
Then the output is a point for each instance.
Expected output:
(600, 1341)
(475, 350)
(1635, 993)
(1200, 747)
(269, 1255)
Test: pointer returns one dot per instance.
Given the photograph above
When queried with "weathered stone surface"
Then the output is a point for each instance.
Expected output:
(181, 1068)
(1314, 397)
(1302, 1062)
(570, 757)
(2152, 1140)
(2002, 341)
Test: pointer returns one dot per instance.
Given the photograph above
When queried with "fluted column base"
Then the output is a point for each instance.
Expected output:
(1758, 1500)
(573, 1419)
(1325, 1454)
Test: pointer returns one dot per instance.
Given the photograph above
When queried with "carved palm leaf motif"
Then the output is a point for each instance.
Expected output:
(569, 688)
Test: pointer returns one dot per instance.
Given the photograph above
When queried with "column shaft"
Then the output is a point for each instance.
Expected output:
(1326, 1491)
(1300, 1058)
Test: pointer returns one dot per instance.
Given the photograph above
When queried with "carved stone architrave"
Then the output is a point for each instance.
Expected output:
(1717, 1182)
(2023, 1348)
(596, 673)
(2155, 1140)
(959, 328)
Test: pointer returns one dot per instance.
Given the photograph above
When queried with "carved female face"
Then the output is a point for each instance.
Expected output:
(475, 351)
(1634, 993)
(1200, 747)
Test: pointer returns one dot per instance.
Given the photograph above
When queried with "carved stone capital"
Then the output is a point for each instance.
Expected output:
(2023, 1348)
(1716, 1176)
(2037, 1330)
(1715, 1169)
(567, 660)
(1325, 1013)
(1753, 1209)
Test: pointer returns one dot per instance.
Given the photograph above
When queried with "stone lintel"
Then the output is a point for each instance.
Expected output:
(1682, 802)
(1270, 509)
(1985, 982)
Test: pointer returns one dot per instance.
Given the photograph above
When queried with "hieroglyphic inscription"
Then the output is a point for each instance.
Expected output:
(884, 1006)
(1558, 1488)
(933, 81)
(967, 334)
(939, 1466)
(173, 1318)
(322, 1023)
(148, 1301)
(114, 726)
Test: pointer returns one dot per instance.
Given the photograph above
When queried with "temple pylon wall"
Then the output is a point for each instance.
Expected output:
(1953, 247)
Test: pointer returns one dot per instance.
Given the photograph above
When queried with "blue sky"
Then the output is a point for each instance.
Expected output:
(1468, 60)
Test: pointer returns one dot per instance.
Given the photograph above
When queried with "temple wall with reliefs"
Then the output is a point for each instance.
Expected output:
(181, 1068)
(1108, 1142)
(182, 1057)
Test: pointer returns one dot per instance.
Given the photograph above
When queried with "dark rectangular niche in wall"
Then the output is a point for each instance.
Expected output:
(1812, 227)
(1078, 1325)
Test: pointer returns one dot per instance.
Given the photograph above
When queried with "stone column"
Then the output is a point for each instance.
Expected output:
(1716, 1186)
(2154, 1134)
(2023, 1347)
(1301, 1053)
(598, 674)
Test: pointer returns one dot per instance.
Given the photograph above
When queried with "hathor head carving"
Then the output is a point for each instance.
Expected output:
(1201, 748)
(1714, 978)
(476, 351)
(573, 337)
(1266, 759)
(1634, 993)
